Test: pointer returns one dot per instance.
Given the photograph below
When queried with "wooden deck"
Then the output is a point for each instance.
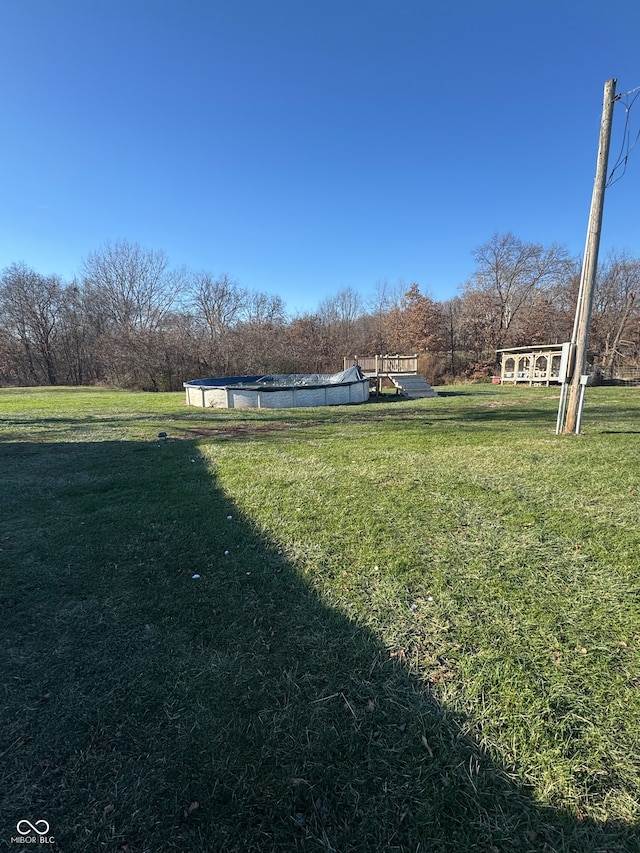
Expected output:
(401, 370)
(383, 365)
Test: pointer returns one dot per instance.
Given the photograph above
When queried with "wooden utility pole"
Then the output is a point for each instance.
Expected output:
(580, 337)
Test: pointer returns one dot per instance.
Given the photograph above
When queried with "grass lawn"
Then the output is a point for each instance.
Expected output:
(416, 625)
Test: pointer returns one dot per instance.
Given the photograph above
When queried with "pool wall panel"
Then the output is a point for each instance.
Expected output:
(220, 397)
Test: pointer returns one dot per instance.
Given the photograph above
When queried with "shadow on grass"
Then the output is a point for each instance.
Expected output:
(149, 710)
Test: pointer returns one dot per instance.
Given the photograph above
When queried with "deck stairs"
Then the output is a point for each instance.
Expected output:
(412, 386)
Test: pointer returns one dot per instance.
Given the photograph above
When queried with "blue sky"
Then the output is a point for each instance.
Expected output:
(304, 146)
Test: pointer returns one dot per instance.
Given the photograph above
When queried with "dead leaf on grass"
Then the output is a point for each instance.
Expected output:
(425, 743)
(349, 706)
(398, 654)
(190, 809)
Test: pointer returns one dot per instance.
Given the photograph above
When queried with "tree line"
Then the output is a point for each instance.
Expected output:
(131, 320)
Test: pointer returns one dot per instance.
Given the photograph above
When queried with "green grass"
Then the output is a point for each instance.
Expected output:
(425, 635)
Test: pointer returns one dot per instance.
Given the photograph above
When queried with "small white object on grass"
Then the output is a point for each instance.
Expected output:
(226, 553)
(195, 577)
(430, 598)
(229, 518)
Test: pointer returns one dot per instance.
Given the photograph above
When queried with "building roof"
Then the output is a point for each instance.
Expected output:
(535, 348)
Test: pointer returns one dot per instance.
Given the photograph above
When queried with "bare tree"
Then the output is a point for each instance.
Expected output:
(263, 309)
(340, 315)
(383, 304)
(308, 347)
(135, 286)
(614, 307)
(219, 303)
(451, 311)
(134, 293)
(510, 274)
(30, 306)
(11, 359)
(259, 340)
(77, 338)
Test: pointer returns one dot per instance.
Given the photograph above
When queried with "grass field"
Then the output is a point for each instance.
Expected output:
(416, 625)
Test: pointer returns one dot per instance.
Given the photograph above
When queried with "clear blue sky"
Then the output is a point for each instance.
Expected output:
(303, 146)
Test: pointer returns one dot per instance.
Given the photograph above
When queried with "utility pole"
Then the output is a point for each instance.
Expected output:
(580, 337)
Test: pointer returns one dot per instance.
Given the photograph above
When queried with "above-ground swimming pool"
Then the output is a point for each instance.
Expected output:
(279, 391)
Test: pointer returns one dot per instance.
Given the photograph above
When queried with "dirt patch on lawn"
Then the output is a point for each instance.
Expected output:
(239, 430)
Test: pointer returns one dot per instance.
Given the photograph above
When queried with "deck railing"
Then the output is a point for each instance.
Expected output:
(380, 365)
